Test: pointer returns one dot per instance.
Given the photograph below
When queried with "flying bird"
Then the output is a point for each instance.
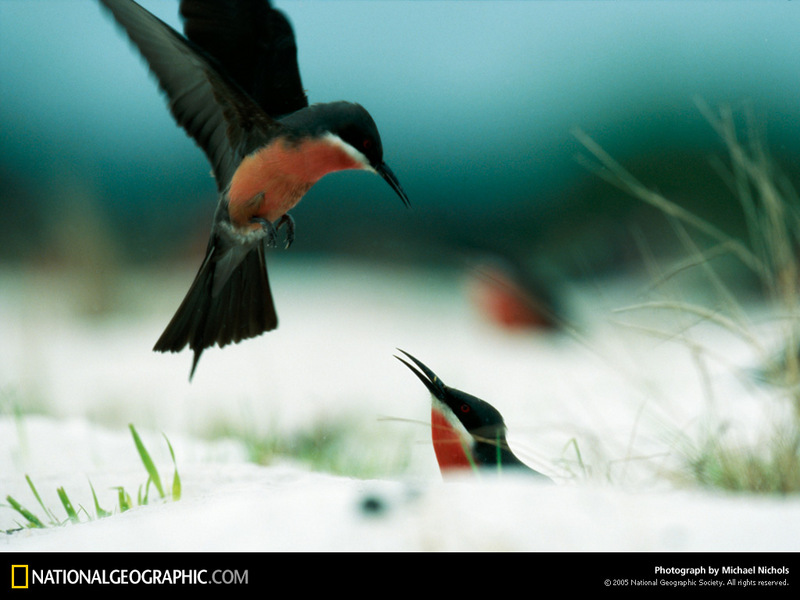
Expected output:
(467, 432)
(233, 84)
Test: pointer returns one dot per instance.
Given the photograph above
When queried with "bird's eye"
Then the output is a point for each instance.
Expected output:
(465, 408)
(366, 144)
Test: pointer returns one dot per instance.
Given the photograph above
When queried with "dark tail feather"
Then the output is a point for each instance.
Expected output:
(242, 309)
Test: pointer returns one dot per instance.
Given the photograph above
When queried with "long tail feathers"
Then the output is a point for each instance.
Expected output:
(242, 309)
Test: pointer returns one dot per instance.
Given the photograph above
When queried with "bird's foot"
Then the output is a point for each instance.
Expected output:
(287, 221)
(270, 230)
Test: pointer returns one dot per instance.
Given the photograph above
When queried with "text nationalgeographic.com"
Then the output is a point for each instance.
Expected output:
(138, 577)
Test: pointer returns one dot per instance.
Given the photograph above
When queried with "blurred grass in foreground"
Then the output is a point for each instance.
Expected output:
(340, 447)
(771, 209)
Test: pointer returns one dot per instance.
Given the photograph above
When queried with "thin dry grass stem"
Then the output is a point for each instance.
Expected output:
(728, 299)
(697, 350)
(700, 258)
(403, 420)
(683, 332)
(614, 173)
(631, 439)
(700, 360)
(698, 353)
(627, 463)
(659, 278)
(770, 216)
(700, 311)
(585, 471)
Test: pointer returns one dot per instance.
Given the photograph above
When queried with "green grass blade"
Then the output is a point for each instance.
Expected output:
(33, 520)
(574, 443)
(47, 512)
(65, 501)
(124, 499)
(143, 495)
(176, 478)
(147, 461)
(101, 513)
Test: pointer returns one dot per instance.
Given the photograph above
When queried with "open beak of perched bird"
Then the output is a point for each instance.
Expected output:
(466, 431)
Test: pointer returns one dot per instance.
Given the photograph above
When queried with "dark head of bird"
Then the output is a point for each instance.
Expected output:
(479, 418)
(351, 123)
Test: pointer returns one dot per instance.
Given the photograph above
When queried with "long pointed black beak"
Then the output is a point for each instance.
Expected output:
(390, 178)
(432, 382)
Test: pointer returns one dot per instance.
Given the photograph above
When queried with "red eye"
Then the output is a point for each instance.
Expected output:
(465, 408)
(367, 144)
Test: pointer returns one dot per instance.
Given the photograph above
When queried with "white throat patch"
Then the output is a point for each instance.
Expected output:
(337, 142)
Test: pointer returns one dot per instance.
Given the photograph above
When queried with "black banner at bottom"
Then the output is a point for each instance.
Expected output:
(28, 573)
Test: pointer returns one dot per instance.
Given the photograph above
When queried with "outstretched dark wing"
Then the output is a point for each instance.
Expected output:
(254, 44)
(211, 107)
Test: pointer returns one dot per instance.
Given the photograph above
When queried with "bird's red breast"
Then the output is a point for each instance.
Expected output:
(272, 180)
(451, 451)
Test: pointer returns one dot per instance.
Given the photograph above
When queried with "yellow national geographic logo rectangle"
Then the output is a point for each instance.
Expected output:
(19, 577)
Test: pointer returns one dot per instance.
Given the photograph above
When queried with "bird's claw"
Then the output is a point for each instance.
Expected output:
(271, 230)
(288, 221)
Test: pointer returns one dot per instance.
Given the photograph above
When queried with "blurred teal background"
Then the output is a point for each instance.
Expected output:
(474, 100)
